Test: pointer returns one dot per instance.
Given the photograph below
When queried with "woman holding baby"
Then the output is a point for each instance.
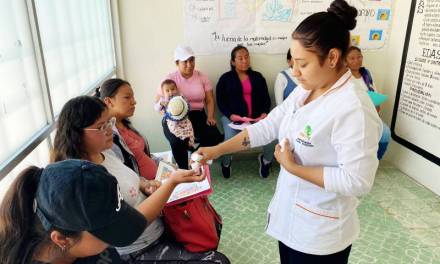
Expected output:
(195, 87)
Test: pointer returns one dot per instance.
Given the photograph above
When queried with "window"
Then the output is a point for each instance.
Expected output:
(50, 51)
(38, 157)
(22, 111)
(77, 45)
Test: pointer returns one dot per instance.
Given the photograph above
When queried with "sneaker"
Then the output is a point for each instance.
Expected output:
(264, 168)
(226, 171)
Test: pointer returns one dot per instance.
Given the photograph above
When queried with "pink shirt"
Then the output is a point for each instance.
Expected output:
(193, 89)
(247, 92)
(147, 166)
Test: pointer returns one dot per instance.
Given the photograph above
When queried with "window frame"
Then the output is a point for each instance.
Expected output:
(44, 133)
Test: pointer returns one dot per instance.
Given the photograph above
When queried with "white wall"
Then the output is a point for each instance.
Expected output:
(150, 31)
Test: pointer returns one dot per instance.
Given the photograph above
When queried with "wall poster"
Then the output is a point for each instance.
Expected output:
(416, 122)
(216, 26)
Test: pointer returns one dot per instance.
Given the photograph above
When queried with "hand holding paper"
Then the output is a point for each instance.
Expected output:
(190, 185)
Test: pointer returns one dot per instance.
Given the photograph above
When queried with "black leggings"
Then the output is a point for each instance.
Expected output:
(204, 134)
(291, 256)
(165, 250)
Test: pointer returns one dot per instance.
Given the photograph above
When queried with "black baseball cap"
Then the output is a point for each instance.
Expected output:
(77, 195)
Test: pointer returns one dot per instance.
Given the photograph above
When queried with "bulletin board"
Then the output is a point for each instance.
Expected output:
(416, 123)
(265, 26)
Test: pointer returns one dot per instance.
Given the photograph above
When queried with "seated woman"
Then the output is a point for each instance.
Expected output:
(49, 216)
(197, 89)
(129, 145)
(85, 132)
(285, 82)
(363, 79)
(242, 96)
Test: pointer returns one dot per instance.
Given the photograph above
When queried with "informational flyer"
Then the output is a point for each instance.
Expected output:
(184, 191)
(416, 122)
(265, 26)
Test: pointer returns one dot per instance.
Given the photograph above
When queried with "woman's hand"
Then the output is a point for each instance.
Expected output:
(235, 118)
(181, 176)
(261, 117)
(149, 187)
(286, 156)
(211, 121)
(208, 153)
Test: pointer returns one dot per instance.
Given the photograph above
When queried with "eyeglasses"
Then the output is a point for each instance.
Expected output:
(109, 124)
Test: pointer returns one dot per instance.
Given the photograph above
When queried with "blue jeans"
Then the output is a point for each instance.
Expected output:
(268, 149)
(384, 140)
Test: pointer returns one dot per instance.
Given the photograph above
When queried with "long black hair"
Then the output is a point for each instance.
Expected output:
(110, 88)
(324, 31)
(77, 114)
(21, 232)
(234, 54)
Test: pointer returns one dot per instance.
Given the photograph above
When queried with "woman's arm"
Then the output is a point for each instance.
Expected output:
(222, 96)
(265, 96)
(235, 144)
(210, 107)
(286, 159)
(153, 205)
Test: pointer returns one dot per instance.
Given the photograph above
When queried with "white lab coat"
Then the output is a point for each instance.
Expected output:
(339, 131)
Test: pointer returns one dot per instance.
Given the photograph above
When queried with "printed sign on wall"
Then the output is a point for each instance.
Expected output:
(416, 115)
(216, 26)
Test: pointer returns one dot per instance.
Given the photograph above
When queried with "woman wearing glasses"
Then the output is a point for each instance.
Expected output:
(84, 131)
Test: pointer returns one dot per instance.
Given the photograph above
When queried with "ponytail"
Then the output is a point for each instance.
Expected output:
(20, 230)
(97, 92)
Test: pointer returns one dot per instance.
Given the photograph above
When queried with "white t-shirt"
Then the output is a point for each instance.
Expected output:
(280, 85)
(129, 182)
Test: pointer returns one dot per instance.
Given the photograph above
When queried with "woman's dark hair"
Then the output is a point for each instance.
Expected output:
(21, 232)
(324, 31)
(234, 54)
(110, 87)
(351, 48)
(168, 81)
(289, 55)
(77, 114)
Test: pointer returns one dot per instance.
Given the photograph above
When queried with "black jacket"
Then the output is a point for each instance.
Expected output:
(229, 94)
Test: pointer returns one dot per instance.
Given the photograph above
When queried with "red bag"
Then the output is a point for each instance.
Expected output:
(195, 224)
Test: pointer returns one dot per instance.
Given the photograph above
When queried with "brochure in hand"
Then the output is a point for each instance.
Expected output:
(184, 191)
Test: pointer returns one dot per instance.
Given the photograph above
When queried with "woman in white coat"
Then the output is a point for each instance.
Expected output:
(329, 157)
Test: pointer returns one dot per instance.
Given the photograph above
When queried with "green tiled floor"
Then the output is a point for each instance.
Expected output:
(400, 220)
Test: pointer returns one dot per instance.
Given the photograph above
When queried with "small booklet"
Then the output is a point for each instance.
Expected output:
(377, 98)
(239, 126)
(184, 191)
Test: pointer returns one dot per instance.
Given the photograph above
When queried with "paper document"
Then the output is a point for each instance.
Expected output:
(184, 191)
(239, 126)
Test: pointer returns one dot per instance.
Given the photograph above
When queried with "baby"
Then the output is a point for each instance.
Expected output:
(175, 109)
(169, 89)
